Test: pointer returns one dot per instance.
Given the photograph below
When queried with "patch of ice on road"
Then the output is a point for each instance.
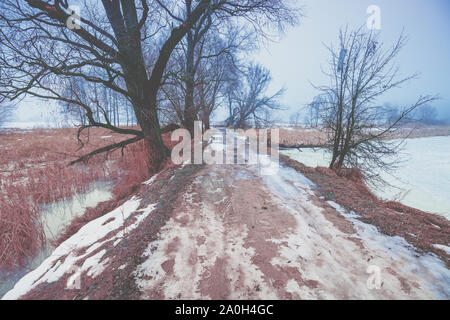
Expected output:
(293, 288)
(287, 182)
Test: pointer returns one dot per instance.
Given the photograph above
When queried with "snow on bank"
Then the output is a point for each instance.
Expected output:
(317, 246)
(55, 217)
(65, 258)
(428, 266)
(442, 247)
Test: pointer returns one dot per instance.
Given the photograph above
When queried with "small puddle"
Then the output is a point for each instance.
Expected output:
(56, 217)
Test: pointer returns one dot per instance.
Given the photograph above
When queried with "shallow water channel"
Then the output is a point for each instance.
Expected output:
(55, 217)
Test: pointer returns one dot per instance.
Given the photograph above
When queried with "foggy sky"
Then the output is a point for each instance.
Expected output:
(298, 58)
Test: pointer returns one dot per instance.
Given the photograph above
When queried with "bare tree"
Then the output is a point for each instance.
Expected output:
(360, 73)
(214, 75)
(248, 104)
(314, 109)
(198, 71)
(107, 105)
(43, 44)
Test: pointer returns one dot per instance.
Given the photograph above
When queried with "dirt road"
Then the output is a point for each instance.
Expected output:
(236, 233)
(241, 233)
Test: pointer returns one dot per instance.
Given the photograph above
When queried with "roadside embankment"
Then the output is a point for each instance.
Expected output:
(428, 232)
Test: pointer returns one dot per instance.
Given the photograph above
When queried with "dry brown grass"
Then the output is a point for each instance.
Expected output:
(304, 136)
(34, 171)
(422, 132)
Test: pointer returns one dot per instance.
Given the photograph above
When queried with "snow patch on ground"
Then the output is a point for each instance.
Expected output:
(442, 247)
(317, 246)
(151, 180)
(88, 239)
(428, 266)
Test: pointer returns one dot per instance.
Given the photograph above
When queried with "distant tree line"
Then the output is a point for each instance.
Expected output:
(423, 115)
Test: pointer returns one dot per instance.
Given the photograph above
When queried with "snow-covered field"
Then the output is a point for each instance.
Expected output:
(422, 181)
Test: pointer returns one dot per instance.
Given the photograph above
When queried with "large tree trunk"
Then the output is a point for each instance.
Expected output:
(189, 119)
(337, 137)
(142, 90)
(189, 110)
(207, 122)
(152, 134)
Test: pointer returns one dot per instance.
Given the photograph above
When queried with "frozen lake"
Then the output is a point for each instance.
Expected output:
(422, 181)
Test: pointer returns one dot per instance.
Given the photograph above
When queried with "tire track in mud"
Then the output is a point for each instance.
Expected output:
(237, 235)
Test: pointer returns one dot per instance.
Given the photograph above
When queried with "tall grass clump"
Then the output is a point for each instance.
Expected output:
(132, 170)
(21, 232)
(34, 172)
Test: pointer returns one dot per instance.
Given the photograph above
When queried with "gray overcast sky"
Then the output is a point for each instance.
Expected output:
(298, 57)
